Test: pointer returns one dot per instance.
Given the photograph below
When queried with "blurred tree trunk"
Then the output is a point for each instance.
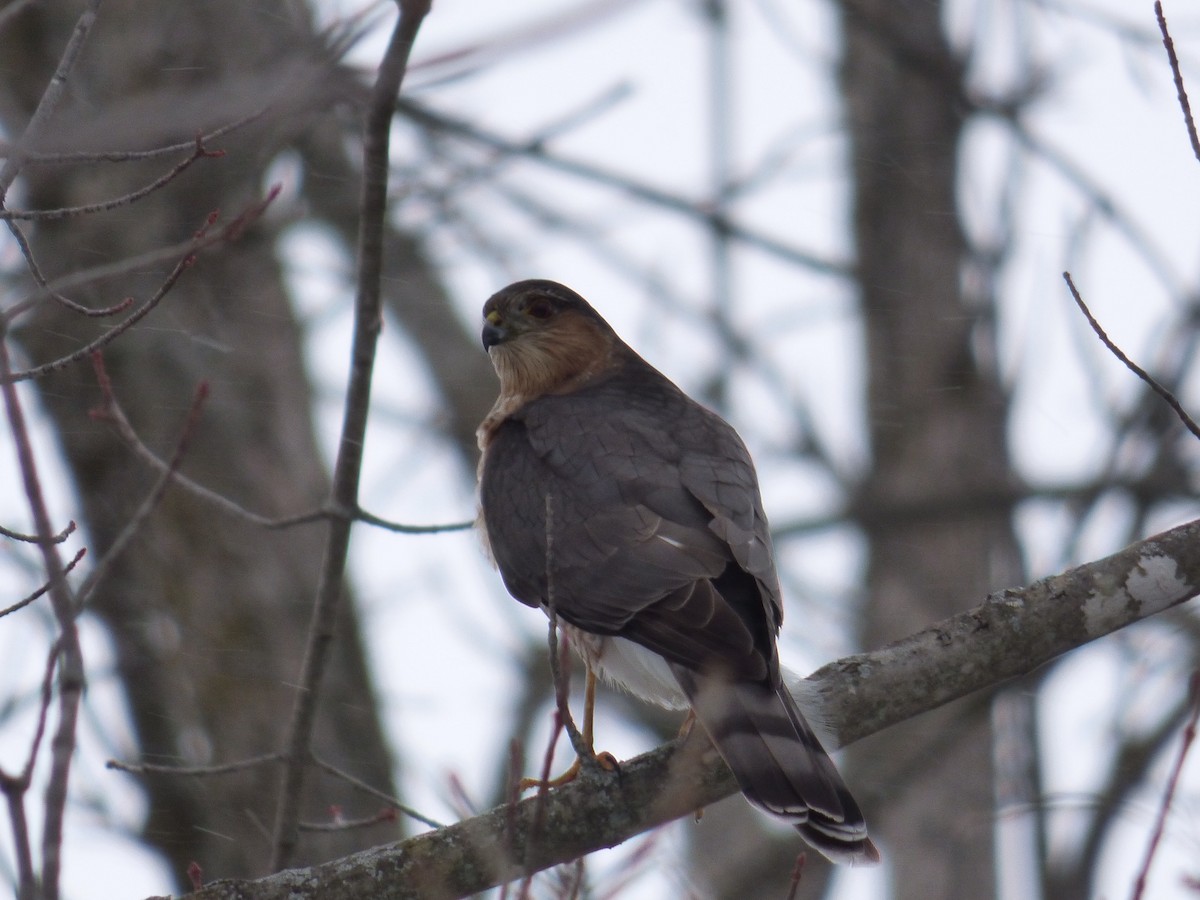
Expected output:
(208, 613)
(936, 419)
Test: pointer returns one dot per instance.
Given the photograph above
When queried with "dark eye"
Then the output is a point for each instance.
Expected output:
(540, 308)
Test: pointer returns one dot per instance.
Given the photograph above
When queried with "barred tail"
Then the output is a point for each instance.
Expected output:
(780, 764)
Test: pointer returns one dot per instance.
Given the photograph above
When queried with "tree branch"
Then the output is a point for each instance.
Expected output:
(368, 320)
(427, 117)
(1011, 633)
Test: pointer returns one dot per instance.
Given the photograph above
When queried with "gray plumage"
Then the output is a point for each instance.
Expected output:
(658, 538)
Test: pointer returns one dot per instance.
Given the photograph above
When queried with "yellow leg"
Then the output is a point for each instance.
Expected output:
(589, 707)
(686, 728)
(604, 760)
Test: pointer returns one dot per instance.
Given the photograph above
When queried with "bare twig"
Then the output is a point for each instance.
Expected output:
(14, 796)
(35, 158)
(16, 787)
(45, 215)
(43, 711)
(230, 768)
(576, 872)
(450, 65)
(648, 193)
(40, 279)
(1130, 364)
(562, 715)
(148, 505)
(111, 412)
(516, 765)
(347, 469)
(71, 675)
(1105, 203)
(101, 273)
(797, 874)
(559, 668)
(33, 538)
(21, 604)
(202, 239)
(49, 101)
(1177, 74)
(112, 334)
(376, 793)
(1189, 737)
(387, 814)
(361, 515)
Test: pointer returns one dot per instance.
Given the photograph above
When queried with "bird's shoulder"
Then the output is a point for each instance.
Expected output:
(632, 407)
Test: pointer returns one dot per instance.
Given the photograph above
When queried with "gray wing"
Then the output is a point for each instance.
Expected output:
(656, 530)
(640, 510)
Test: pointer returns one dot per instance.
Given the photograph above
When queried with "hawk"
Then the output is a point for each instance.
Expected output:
(608, 492)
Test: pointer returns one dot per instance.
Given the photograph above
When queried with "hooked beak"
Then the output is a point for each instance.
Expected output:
(493, 335)
(494, 331)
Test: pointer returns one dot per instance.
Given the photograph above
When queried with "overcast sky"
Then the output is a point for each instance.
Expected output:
(632, 85)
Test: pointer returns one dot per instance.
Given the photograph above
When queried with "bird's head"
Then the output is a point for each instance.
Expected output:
(544, 338)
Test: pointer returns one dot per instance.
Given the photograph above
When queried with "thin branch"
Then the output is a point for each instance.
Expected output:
(45, 215)
(560, 671)
(368, 319)
(26, 776)
(1177, 74)
(33, 538)
(387, 814)
(19, 829)
(111, 412)
(655, 196)
(1130, 364)
(361, 515)
(71, 673)
(797, 874)
(376, 793)
(123, 267)
(1189, 737)
(39, 279)
(109, 336)
(150, 503)
(230, 768)
(516, 765)
(21, 604)
(47, 106)
(229, 232)
(1012, 633)
(1129, 771)
(74, 157)
(562, 716)
(1104, 202)
(16, 787)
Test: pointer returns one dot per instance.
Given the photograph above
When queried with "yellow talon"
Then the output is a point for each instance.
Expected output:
(603, 759)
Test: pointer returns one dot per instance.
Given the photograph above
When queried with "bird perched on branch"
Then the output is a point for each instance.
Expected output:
(608, 493)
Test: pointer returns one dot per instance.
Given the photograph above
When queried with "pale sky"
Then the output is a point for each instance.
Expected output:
(1109, 107)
